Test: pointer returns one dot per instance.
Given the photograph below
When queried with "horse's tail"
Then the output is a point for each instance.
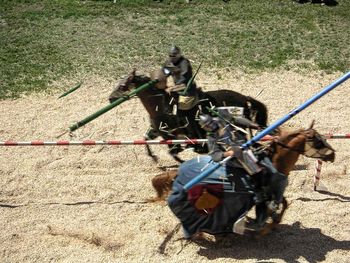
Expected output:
(260, 110)
(162, 184)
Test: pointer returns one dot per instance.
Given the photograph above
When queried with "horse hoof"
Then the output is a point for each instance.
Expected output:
(155, 158)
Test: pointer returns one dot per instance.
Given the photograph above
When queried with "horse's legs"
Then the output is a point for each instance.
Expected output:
(276, 219)
(150, 134)
(192, 127)
(151, 154)
(175, 149)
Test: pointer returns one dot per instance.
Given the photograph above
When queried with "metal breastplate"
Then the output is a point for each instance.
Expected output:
(230, 138)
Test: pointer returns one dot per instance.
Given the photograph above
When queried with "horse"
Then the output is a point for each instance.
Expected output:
(159, 105)
(284, 151)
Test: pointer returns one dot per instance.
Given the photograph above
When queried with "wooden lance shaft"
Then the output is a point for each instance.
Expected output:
(112, 105)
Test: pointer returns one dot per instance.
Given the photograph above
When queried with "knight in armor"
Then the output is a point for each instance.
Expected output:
(224, 139)
(185, 94)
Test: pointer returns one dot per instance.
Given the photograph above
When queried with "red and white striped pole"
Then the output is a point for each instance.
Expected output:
(317, 176)
(111, 142)
(133, 142)
(91, 142)
(318, 166)
(337, 136)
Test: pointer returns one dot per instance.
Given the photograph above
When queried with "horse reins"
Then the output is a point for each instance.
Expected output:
(304, 151)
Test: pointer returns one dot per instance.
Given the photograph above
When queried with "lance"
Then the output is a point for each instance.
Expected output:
(71, 90)
(189, 84)
(268, 130)
(112, 105)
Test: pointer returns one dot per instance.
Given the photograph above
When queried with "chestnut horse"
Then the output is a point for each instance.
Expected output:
(164, 123)
(284, 151)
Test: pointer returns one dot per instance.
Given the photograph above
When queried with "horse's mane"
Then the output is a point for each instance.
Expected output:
(286, 134)
(141, 78)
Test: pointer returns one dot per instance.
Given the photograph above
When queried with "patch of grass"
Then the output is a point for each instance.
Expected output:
(43, 41)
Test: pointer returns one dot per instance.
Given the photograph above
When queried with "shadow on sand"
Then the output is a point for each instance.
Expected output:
(333, 196)
(288, 243)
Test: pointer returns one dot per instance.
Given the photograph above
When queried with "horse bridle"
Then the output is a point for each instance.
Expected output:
(310, 150)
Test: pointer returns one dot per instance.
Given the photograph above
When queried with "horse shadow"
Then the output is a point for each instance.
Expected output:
(288, 243)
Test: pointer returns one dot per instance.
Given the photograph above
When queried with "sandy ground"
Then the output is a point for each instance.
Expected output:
(86, 204)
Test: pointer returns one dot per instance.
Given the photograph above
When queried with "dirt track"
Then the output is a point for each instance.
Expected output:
(86, 204)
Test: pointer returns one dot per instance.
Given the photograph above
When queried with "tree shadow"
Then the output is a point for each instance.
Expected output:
(288, 242)
(325, 2)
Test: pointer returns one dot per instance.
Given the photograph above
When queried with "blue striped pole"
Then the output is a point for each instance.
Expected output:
(269, 129)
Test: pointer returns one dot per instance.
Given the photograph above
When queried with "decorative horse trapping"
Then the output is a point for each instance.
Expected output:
(269, 129)
(219, 203)
(223, 218)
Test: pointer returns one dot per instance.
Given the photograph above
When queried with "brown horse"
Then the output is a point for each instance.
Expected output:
(284, 151)
(159, 105)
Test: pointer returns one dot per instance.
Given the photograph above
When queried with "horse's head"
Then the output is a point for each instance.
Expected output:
(316, 146)
(307, 142)
(287, 146)
(132, 81)
(128, 83)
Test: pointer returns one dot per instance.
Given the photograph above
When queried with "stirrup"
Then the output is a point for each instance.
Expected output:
(239, 226)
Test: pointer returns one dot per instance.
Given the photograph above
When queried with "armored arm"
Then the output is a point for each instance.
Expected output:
(215, 151)
(245, 123)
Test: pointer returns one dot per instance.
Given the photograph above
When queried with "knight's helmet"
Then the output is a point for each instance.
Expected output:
(208, 123)
(174, 54)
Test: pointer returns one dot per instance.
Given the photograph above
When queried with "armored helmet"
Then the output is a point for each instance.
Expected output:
(174, 54)
(174, 50)
(208, 123)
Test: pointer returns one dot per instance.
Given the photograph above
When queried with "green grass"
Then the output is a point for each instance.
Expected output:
(43, 41)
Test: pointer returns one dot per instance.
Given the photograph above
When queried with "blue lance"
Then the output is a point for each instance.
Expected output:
(268, 130)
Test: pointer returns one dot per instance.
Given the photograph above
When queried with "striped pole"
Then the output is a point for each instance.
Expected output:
(134, 142)
(269, 129)
(317, 176)
(337, 136)
(91, 142)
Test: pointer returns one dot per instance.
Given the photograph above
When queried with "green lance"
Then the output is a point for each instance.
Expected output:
(184, 93)
(71, 90)
(112, 105)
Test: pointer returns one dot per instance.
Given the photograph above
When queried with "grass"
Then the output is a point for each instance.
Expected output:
(43, 41)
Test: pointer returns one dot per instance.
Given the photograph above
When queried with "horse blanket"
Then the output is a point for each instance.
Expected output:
(213, 205)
